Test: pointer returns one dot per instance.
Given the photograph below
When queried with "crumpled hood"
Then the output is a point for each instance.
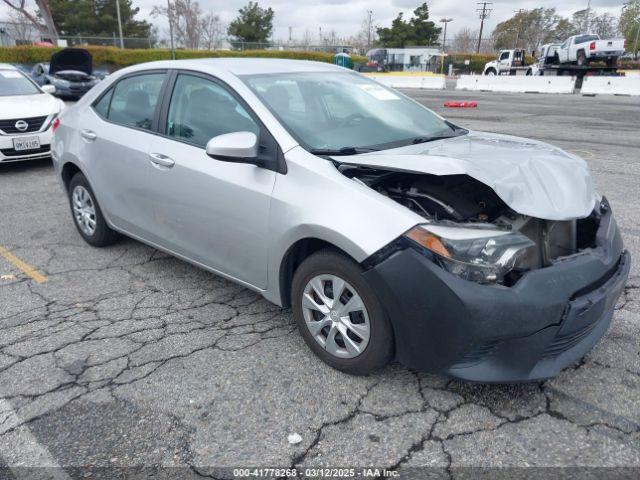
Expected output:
(531, 177)
(71, 59)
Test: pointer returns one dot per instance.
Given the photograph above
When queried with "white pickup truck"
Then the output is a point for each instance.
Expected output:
(583, 49)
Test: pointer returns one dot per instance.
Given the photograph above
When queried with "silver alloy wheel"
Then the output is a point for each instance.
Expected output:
(84, 210)
(336, 316)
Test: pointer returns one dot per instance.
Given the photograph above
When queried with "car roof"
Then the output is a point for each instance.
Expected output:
(244, 66)
(7, 66)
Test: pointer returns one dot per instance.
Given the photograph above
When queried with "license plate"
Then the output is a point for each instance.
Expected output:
(27, 143)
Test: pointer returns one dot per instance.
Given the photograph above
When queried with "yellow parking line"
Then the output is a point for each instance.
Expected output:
(21, 265)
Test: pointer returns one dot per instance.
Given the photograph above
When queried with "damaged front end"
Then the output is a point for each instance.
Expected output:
(471, 232)
(483, 293)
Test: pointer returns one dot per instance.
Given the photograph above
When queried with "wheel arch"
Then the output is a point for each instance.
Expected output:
(68, 171)
(297, 253)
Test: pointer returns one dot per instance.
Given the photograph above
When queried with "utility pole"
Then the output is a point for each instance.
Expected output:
(484, 14)
(119, 23)
(519, 12)
(586, 17)
(444, 37)
(290, 33)
(369, 27)
(170, 15)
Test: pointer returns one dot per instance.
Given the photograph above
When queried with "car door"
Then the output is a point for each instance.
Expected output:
(211, 211)
(505, 60)
(116, 134)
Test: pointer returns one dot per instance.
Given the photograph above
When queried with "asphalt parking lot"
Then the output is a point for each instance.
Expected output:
(126, 357)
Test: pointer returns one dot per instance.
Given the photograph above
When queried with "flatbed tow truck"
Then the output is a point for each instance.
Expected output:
(513, 62)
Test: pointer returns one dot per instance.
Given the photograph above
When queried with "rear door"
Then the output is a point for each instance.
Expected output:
(210, 211)
(117, 133)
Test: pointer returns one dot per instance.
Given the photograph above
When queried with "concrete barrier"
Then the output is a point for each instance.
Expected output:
(427, 82)
(611, 85)
(516, 84)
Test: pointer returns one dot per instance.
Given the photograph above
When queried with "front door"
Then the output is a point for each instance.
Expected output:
(210, 211)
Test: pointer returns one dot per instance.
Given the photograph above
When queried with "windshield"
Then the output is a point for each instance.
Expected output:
(329, 111)
(13, 82)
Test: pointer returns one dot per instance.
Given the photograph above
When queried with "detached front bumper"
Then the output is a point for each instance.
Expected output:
(551, 317)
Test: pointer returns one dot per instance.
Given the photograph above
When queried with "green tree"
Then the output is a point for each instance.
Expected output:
(629, 25)
(253, 24)
(417, 31)
(532, 28)
(97, 18)
(425, 32)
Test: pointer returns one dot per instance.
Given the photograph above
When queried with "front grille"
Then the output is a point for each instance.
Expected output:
(10, 152)
(34, 124)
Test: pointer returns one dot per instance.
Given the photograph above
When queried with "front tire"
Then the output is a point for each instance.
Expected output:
(339, 314)
(491, 72)
(87, 215)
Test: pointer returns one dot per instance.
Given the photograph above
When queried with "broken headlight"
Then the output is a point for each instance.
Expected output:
(479, 253)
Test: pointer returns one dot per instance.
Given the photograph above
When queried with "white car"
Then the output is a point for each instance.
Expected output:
(27, 112)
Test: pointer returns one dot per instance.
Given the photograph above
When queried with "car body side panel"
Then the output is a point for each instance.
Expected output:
(314, 200)
(212, 211)
(117, 166)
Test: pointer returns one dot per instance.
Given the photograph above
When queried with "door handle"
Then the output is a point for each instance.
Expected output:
(88, 135)
(161, 160)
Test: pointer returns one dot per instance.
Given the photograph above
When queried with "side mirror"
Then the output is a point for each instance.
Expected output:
(241, 147)
(51, 89)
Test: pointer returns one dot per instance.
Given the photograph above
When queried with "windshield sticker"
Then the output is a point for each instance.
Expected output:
(11, 74)
(378, 92)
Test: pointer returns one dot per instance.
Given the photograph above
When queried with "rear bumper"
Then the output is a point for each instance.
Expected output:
(531, 331)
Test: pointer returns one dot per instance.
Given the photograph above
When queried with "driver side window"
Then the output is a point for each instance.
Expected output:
(201, 109)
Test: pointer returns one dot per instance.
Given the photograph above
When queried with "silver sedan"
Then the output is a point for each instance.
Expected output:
(391, 232)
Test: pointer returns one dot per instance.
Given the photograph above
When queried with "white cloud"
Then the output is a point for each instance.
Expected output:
(345, 17)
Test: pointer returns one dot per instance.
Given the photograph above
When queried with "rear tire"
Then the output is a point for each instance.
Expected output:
(324, 320)
(87, 215)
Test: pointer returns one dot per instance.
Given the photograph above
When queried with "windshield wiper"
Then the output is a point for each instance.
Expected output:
(456, 133)
(341, 151)
(417, 140)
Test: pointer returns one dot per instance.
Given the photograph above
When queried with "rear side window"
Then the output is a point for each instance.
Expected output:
(102, 107)
(134, 100)
(586, 38)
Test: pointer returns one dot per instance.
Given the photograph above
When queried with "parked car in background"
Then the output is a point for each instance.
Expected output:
(584, 49)
(27, 113)
(70, 71)
(390, 231)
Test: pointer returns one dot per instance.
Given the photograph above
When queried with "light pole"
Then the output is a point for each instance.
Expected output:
(119, 23)
(444, 38)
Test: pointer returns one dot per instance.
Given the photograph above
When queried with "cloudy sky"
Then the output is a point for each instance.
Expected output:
(345, 17)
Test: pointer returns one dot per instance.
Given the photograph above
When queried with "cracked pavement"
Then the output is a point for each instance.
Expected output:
(127, 357)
